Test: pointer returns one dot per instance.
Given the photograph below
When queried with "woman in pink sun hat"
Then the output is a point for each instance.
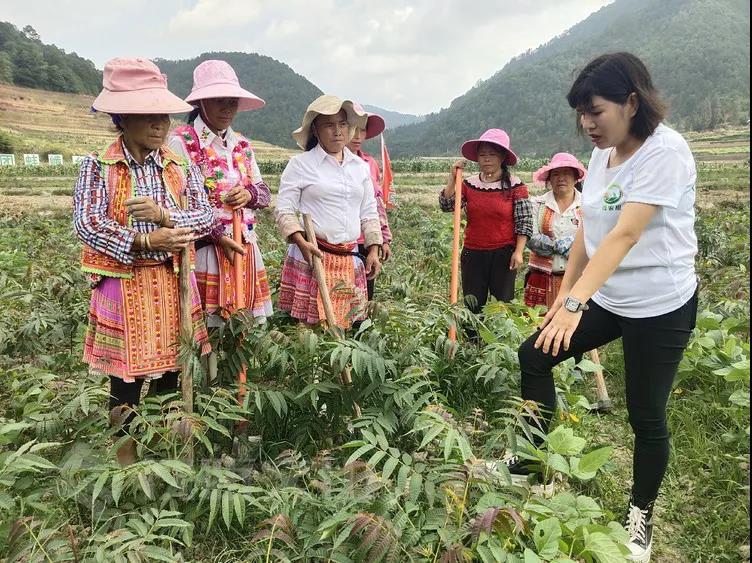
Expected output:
(233, 181)
(128, 215)
(499, 219)
(556, 216)
(374, 127)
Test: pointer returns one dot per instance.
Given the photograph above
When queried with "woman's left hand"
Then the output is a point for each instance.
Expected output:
(516, 261)
(237, 197)
(144, 209)
(373, 262)
(386, 252)
(557, 331)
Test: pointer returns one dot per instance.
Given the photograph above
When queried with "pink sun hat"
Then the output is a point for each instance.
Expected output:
(217, 79)
(376, 123)
(136, 86)
(496, 137)
(560, 160)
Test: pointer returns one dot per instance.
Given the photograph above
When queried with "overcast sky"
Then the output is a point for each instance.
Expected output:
(413, 57)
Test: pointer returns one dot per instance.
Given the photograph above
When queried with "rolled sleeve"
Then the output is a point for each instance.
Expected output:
(386, 232)
(372, 232)
(522, 211)
(370, 222)
(447, 203)
(90, 220)
(260, 193)
(288, 201)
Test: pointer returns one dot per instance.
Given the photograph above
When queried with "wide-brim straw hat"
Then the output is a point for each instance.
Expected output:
(496, 137)
(560, 160)
(217, 79)
(136, 86)
(329, 105)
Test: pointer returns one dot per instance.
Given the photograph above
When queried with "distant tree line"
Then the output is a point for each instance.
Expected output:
(26, 61)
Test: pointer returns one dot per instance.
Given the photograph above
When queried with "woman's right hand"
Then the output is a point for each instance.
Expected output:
(309, 250)
(230, 248)
(555, 306)
(456, 168)
(170, 240)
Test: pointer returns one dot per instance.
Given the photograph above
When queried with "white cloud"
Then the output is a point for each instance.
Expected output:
(214, 15)
(401, 14)
(412, 56)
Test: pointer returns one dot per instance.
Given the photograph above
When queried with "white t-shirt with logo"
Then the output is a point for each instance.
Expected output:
(657, 276)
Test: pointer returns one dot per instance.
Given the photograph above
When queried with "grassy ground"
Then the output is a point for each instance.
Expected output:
(703, 512)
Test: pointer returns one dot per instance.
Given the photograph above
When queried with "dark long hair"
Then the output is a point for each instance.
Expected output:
(311, 143)
(615, 77)
(195, 112)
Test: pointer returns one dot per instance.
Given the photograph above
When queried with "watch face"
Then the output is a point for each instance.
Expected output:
(571, 305)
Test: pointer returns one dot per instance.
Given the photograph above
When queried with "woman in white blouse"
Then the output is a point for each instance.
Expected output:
(334, 186)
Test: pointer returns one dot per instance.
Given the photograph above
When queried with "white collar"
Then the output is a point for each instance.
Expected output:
(321, 155)
(206, 136)
(550, 201)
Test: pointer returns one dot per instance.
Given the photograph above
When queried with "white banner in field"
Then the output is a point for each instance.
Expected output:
(31, 159)
(7, 159)
(54, 159)
(75, 159)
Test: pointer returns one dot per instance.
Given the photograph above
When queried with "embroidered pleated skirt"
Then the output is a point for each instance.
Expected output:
(346, 280)
(134, 324)
(541, 288)
(216, 283)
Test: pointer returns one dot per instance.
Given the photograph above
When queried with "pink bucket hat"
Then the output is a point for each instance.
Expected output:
(496, 137)
(217, 79)
(136, 86)
(560, 160)
(376, 123)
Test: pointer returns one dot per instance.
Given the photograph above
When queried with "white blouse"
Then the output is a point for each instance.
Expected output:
(339, 197)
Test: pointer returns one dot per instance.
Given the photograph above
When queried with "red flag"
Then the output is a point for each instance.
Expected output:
(387, 187)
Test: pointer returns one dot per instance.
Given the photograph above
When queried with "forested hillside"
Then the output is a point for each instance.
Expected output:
(697, 51)
(26, 61)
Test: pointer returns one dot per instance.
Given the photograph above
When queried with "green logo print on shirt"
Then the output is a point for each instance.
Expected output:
(612, 197)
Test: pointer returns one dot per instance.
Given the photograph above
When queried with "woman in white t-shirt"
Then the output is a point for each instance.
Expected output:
(631, 271)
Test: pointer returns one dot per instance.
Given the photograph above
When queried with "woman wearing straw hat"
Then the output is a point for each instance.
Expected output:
(127, 213)
(556, 217)
(233, 183)
(499, 219)
(334, 186)
(374, 127)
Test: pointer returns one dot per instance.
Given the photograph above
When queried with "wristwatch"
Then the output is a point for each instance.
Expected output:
(574, 306)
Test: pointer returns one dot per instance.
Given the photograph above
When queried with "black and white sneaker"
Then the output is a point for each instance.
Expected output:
(522, 473)
(639, 525)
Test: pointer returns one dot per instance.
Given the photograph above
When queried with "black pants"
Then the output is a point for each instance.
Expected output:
(370, 284)
(484, 272)
(129, 394)
(653, 348)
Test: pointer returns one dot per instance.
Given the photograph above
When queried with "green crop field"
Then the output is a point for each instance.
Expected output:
(407, 480)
